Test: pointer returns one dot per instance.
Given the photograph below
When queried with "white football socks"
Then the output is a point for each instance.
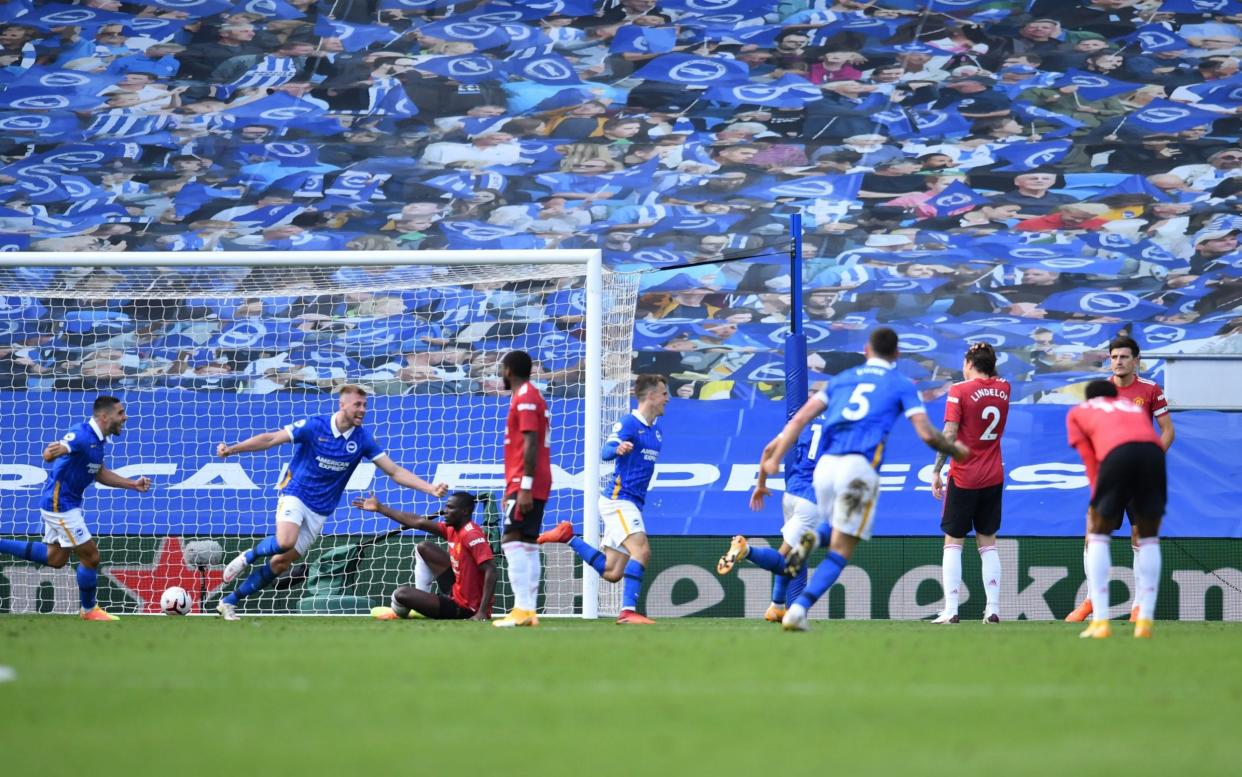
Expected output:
(1098, 565)
(422, 573)
(951, 576)
(515, 555)
(534, 572)
(989, 558)
(1147, 577)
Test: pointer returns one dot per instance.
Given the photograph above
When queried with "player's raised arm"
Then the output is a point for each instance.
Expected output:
(403, 477)
(781, 444)
(260, 442)
(109, 478)
(937, 441)
(426, 523)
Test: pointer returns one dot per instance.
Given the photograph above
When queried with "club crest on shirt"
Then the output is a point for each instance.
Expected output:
(351, 447)
(1138, 401)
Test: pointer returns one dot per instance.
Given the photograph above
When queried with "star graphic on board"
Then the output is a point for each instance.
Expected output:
(147, 583)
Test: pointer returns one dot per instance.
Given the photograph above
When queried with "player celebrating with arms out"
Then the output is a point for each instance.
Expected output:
(860, 406)
(1125, 467)
(466, 570)
(974, 415)
(77, 461)
(634, 444)
(528, 482)
(1123, 357)
(328, 450)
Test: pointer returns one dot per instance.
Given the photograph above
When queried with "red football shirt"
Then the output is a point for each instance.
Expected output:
(1099, 425)
(468, 543)
(980, 409)
(528, 413)
(1145, 393)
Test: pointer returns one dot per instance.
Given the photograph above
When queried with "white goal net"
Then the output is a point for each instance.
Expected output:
(245, 343)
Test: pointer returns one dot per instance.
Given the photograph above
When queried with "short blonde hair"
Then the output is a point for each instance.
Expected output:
(354, 388)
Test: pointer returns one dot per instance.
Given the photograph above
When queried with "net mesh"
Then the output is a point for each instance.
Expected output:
(209, 354)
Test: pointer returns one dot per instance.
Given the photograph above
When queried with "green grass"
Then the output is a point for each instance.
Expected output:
(280, 696)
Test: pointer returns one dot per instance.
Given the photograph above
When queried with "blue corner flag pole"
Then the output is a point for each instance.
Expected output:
(795, 342)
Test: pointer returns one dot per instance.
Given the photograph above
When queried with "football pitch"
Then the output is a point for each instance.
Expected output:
(156, 695)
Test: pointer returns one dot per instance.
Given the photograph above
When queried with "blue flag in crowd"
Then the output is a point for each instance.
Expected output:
(415, 5)
(895, 122)
(956, 196)
(272, 9)
(1032, 113)
(1121, 304)
(1028, 156)
(1169, 336)
(1093, 86)
(255, 334)
(940, 123)
(1087, 265)
(467, 69)
(1219, 7)
(763, 35)
(900, 286)
(1160, 116)
(866, 26)
(643, 40)
(694, 70)
(56, 79)
(1135, 184)
(41, 98)
(354, 37)
(704, 223)
(540, 9)
(1155, 38)
(45, 125)
(1224, 91)
(834, 187)
(476, 234)
(194, 8)
(789, 91)
(483, 35)
(52, 15)
(275, 110)
(542, 68)
(744, 7)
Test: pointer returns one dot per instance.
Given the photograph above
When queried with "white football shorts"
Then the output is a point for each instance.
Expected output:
(67, 529)
(846, 489)
(290, 509)
(621, 519)
(800, 516)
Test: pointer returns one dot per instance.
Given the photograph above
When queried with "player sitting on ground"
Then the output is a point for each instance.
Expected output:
(975, 415)
(77, 461)
(800, 513)
(1123, 356)
(328, 450)
(860, 406)
(466, 570)
(528, 483)
(634, 444)
(1126, 469)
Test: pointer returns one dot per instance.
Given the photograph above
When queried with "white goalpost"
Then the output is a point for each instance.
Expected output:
(213, 347)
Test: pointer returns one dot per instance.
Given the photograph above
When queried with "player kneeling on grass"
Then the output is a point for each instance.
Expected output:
(859, 407)
(467, 569)
(634, 445)
(1125, 467)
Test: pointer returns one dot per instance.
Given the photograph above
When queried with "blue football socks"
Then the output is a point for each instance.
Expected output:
(88, 584)
(633, 585)
(825, 575)
(31, 551)
(589, 553)
(780, 589)
(796, 586)
(268, 547)
(824, 530)
(258, 580)
(766, 558)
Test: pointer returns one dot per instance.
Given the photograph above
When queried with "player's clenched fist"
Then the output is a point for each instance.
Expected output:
(222, 450)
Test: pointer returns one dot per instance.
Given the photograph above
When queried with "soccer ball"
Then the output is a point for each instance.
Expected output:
(175, 601)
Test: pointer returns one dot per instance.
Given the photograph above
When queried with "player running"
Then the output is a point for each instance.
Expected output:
(328, 450)
(77, 460)
(1125, 466)
(800, 513)
(634, 445)
(528, 482)
(975, 415)
(1123, 355)
(860, 406)
(466, 570)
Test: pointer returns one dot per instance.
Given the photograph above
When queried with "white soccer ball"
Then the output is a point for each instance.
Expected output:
(175, 601)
